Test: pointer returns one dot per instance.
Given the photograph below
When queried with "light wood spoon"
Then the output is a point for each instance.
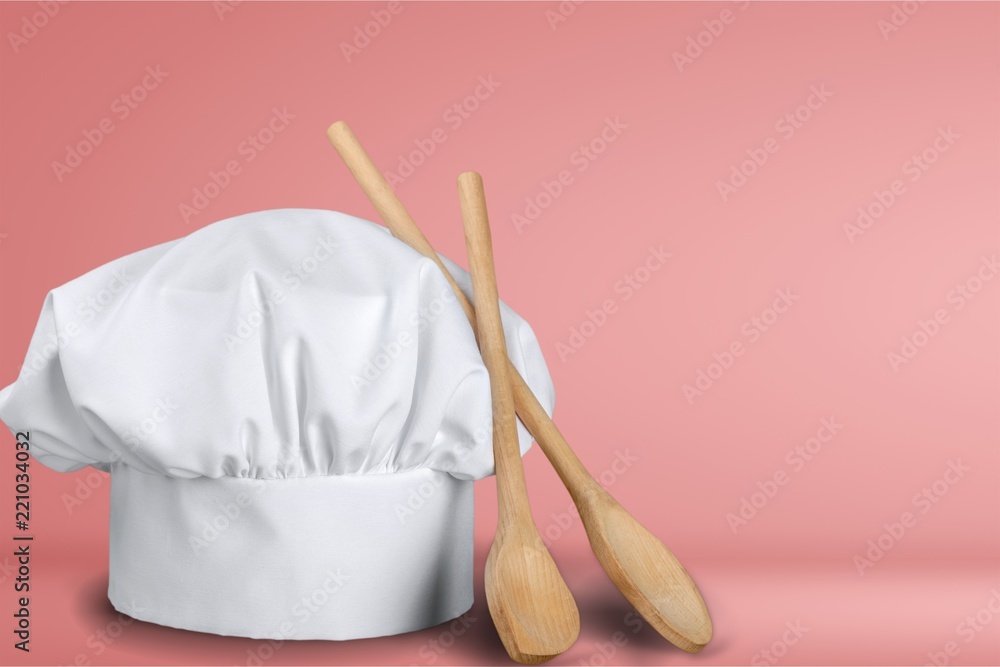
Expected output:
(642, 568)
(533, 610)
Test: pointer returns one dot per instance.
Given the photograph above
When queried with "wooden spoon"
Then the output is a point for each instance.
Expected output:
(533, 610)
(642, 568)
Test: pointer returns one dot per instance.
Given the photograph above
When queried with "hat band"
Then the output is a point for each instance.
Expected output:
(338, 557)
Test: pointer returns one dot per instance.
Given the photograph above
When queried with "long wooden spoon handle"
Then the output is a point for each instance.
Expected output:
(392, 211)
(512, 490)
(569, 468)
(649, 576)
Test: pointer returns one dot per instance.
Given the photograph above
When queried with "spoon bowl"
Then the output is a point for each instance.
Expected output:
(646, 572)
(533, 610)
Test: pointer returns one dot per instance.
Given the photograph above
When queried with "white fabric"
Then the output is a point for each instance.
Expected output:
(289, 348)
(338, 557)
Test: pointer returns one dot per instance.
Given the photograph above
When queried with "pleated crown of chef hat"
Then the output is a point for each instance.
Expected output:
(292, 409)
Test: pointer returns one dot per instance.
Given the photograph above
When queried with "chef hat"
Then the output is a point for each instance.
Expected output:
(292, 408)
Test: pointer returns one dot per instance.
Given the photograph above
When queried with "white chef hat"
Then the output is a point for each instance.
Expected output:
(292, 408)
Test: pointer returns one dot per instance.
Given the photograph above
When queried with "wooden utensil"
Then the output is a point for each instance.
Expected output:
(642, 568)
(533, 610)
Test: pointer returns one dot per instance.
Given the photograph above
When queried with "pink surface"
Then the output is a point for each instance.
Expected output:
(783, 311)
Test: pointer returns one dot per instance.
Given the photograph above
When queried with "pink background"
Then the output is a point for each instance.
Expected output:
(621, 392)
